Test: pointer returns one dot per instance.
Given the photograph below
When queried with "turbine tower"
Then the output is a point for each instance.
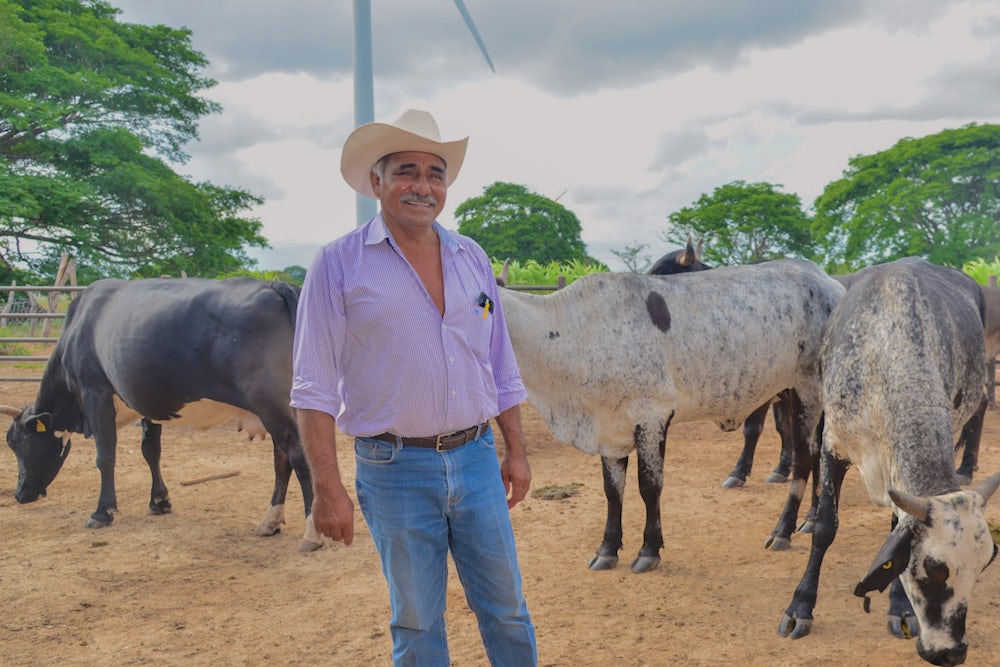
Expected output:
(364, 97)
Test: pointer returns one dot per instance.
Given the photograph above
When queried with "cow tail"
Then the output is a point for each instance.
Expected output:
(290, 293)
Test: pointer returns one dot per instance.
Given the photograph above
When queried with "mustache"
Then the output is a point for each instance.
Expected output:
(419, 199)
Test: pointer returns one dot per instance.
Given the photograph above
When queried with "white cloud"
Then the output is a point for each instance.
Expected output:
(629, 110)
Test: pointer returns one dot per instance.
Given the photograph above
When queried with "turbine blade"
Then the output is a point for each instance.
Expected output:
(475, 33)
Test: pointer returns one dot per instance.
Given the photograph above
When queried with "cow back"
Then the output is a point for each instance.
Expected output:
(903, 362)
(613, 350)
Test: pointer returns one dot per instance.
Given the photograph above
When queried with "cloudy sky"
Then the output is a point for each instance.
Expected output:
(628, 109)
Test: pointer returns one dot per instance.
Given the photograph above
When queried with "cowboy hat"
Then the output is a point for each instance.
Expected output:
(415, 130)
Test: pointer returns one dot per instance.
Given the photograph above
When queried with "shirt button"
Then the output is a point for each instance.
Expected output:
(451, 360)
(454, 393)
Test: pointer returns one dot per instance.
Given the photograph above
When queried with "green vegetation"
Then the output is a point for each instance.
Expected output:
(536, 273)
(981, 270)
(509, 220)
(936, 197)
(741, 223)
(93, 114)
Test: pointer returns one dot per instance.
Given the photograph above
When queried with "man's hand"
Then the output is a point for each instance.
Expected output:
(333, 513)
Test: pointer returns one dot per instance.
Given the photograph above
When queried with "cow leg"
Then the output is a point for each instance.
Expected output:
(288, 456)
(650, 448)
(753, 426)
(804, 462)
(275, 515)
(159, 499)
(969, 443)
(784, 425)
(614, 471)
(106, 443)
(797, 619)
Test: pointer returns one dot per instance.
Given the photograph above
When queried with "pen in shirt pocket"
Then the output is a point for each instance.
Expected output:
(486, 303)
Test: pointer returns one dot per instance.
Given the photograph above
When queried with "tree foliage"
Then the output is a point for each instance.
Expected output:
(936, 197)
(510, 221)
(744, 222)
(91, 113)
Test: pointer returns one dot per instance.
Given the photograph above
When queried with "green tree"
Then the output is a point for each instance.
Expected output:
(91, 111)
(936, 197)
(742, 223)
(632, 258)
(510, 221)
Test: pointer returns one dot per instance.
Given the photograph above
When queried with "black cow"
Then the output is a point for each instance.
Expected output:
(192, 351)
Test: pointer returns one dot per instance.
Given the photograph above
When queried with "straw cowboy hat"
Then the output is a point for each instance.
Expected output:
(415, 130)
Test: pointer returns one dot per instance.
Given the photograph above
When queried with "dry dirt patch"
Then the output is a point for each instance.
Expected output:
(196, 588)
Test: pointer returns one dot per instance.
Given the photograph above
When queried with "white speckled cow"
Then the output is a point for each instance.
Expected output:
(612, 360)
(903, 362)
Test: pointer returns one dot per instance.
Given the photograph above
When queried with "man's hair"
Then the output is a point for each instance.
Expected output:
(379, 167)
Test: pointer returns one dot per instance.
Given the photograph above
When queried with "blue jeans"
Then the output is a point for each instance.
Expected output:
(421, 504)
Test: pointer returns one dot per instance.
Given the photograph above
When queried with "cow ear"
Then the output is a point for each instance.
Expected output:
(892, 560)
(40, 423)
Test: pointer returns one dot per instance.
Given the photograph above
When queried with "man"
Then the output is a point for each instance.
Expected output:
(401, 340)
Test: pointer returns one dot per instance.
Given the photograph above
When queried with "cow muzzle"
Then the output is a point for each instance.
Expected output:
(946, 657)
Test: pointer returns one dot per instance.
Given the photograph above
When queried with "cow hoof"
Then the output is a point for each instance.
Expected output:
(645, 564)
(599, 562)
(905, 627)
(160, 507)
(733, 483)
(777, 478)
(964, 480)
(271, 523)
(778, 543)
(308, 546)
(808, 526)
(94, 522)
(796, 628)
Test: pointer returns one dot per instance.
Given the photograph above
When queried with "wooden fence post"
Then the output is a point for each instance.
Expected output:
(67, 271)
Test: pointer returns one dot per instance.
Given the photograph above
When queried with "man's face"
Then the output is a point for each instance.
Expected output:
(412, 189)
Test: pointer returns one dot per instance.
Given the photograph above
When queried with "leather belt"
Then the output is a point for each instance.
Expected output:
(442, 442)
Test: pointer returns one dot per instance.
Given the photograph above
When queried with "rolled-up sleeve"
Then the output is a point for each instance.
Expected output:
(506, 375)
(320, 330)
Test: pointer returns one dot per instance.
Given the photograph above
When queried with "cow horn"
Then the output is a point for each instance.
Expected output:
(988, 486)
(10, 411)
(916, 506)
(697, 250)
(689, 257)
(504, 273)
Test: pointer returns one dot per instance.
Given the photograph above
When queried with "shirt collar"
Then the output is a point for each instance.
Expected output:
(376, 232)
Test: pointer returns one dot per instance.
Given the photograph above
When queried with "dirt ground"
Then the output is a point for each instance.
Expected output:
(197, 588)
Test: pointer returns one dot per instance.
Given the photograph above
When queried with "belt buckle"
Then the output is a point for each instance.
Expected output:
(437, 441)
(441, 447)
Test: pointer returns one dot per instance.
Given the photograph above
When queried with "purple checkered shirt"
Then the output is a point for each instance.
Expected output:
(372, 350)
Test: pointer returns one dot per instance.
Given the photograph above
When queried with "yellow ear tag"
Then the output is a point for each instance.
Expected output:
(39, 427)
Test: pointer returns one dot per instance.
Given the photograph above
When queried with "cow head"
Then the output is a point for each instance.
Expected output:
(40, 452)
(685, 260)
(937, 551)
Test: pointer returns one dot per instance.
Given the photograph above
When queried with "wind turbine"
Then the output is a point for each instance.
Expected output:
(364, 97)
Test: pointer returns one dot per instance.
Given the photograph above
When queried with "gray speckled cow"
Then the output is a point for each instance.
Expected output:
(903, 361)
(612, 360)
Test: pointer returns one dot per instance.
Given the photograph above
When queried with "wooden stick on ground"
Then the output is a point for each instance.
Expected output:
(210, 478)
